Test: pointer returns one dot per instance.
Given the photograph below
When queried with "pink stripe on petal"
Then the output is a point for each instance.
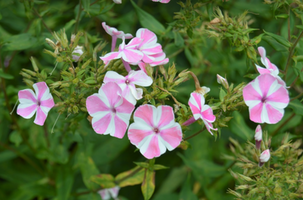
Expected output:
(274, 115)
(40, 89)
(40, 117)
(136, 136)
(281, 95)
(255, 113)
(208, 115)
(111, 56)
(140, 78)
(262, 70)
(134, 43)
(249, 93)
(95, 104)
(27, 112)
(102, 124)
(111, 90)
(265, 81)
(48, 103)
(153, 149)
(125, 107)
(198, 99)
(145, 112)
(173, 136)
(132, 56)
(27, 94)
(120, 127)
(112, 76)
(194, 109)
(167, 116)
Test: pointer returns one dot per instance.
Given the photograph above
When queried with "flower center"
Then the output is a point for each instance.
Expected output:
(127, 81)
(156, 130)
(263, 100)
(113, 110)
(38, 103)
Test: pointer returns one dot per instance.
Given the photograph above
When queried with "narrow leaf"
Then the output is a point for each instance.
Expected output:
(134, 176)
(148, 185)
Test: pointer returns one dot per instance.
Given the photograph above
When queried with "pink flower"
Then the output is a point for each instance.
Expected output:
(270, 67)
(30, 103)
(158, 59)
(201, 111)
(264, 157)
(162, 1)
(127, 83)
(110, 112)
(114, 32)
(154, 130)
(107, 194)
(266, 99)
(128, 53)
(258, 136)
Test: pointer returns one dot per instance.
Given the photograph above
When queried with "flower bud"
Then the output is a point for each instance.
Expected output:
(264, 157)
(222, 81)
(77, 53)
(258, 136)
(203, 90)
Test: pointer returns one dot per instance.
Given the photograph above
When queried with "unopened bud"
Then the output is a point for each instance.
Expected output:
(77, 53)
(50, 43)
(264, 157)
(258, 136)
(202, 90)
(72, 38)
(222, 81)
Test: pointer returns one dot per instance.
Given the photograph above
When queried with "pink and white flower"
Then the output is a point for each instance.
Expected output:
(129, 53)
(258, 136)
(162, 1)
(115, 33)
(109, 110)
(154, 130)
(201, 111)
(264, 157)
(266, 99)
(158, 59)
(107, 194)
(127, 83)
(39, 102)
(77, 53)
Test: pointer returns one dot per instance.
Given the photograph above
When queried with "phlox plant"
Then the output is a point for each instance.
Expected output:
(151, 99)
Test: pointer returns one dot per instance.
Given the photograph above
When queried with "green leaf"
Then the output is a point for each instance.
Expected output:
(179, 41)
(186, 191)
(148, 21)
(88, 169)
(15, 137)
(239, 127)
(134, 176)
(159, 167)
(272, 42)
(104, 180)
(19, 42)
(86, 4)
(5, 75)
(69, 24)
(64, 182)
(300, 27)
(297, 106)
(142, 164)
(282, 16)
(222, 94)
(279, 39)
(148, 185)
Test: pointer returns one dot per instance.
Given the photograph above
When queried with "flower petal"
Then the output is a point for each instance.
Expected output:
(41, 90)
(27, 96)
(171, 137)
(40, 116)
(27, 110)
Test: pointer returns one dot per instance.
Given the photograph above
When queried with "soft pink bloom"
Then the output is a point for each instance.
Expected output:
(129, 53)
(41, 102)
(201, 111)
(270, 67)
(258, 136)
(127, 83)
(162, 1)
(154, 130)
(107, 194)
(264, 157)
(109, 110)
(77, 53)
(115, 33)
(266, 99)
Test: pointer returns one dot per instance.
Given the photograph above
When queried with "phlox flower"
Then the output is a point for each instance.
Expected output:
(270, 67)
(264, 157)
(114, 32)
(39, 102)
(201, 111)
(77, 53)
(127, 83)
(266, 99)
(162, 1)
(154, 130)
(107, 194)
(129, 53)
(110, 112)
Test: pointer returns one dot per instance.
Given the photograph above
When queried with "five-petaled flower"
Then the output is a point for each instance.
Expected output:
(107, 194)
(127, 83)
(41, 102)
(264, 157)
(109, 110)
(115, 33)
(201, 111)
(266, 99)
(154, 130)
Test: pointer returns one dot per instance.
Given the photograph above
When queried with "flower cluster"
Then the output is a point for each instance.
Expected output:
(266, 96)
(141, 50)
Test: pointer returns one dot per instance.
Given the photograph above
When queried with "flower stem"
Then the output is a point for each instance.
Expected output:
(296, 97)
(126, 65)
(196, 80)
(194, 134)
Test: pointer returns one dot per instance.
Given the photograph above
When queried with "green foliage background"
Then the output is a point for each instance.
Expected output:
(38, 164)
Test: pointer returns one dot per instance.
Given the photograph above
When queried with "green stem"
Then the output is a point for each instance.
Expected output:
(78, 17)
(44, 24)
(189, 137)
(291, 54)
(296, 97)
(283, 124)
